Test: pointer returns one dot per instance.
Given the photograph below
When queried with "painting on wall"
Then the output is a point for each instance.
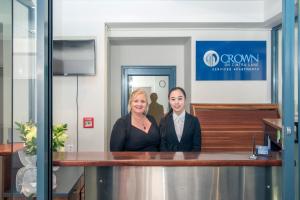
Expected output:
(230, 60)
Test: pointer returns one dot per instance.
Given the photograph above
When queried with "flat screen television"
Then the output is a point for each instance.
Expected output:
(74, 57)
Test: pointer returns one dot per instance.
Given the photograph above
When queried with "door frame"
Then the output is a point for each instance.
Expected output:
(144, 70)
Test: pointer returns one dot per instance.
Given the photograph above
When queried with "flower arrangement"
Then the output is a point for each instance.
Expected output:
(28, 132)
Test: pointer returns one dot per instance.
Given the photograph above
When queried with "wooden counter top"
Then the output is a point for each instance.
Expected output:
(275, 123)
(163, 159)
(7, 149)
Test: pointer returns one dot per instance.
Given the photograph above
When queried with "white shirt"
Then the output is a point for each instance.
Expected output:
(179, 124)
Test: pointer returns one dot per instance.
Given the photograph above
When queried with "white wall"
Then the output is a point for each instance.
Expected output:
(272, 8)
(159, 11)
(214, 91)
(187, 75)
(64, 109)
(83, 18)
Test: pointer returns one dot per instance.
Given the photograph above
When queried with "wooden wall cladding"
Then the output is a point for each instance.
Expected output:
(231, 127)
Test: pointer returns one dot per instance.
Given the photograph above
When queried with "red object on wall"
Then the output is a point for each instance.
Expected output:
(88, 122)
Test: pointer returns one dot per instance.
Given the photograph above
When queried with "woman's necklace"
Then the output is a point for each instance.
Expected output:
(140, 122)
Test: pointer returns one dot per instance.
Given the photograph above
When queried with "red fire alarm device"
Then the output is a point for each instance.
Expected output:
(88, 122)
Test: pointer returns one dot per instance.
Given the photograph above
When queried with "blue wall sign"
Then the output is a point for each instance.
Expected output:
(230, 60)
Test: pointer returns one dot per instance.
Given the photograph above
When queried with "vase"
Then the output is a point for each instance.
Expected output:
(26, 175)
(26, 178)
(26, 181)
(26, 159)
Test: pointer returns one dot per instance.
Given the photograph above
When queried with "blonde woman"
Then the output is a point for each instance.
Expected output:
(135, 131)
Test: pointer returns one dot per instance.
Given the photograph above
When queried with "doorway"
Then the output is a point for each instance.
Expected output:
(155, 80)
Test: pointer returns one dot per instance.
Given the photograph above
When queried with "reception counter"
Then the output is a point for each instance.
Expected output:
(8, 149)
(166, 175)
(163, 159)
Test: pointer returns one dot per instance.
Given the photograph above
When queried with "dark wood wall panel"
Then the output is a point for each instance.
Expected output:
(232, 127)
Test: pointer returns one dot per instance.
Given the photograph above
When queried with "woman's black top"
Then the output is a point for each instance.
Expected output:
(125, 137)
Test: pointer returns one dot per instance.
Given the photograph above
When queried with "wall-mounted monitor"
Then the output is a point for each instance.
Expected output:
(74, 57)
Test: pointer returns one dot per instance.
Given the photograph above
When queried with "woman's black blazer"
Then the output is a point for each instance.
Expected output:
(191, 136)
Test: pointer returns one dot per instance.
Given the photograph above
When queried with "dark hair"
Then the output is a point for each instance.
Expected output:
(177, 88)
(172, 90)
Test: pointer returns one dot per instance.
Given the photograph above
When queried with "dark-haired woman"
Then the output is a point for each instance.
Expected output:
(179, 130)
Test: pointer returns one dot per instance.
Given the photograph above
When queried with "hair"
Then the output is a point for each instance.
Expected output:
(136, 93)
(177, 88)
(169, 94)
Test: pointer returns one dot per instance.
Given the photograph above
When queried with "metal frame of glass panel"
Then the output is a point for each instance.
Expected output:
(44, 99)
(287, 93)
(288, 24)
(298, 59)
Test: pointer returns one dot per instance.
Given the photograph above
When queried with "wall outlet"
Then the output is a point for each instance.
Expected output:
(69, 148)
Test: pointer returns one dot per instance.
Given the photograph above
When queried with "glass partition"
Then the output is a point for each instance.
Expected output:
(279, 62)
(23, 169)
(24, 56)
(5, 70)
(20, 126)
(5, 95)
(280, 88)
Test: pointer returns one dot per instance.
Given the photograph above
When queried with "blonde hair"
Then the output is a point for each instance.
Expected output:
(136, 93)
